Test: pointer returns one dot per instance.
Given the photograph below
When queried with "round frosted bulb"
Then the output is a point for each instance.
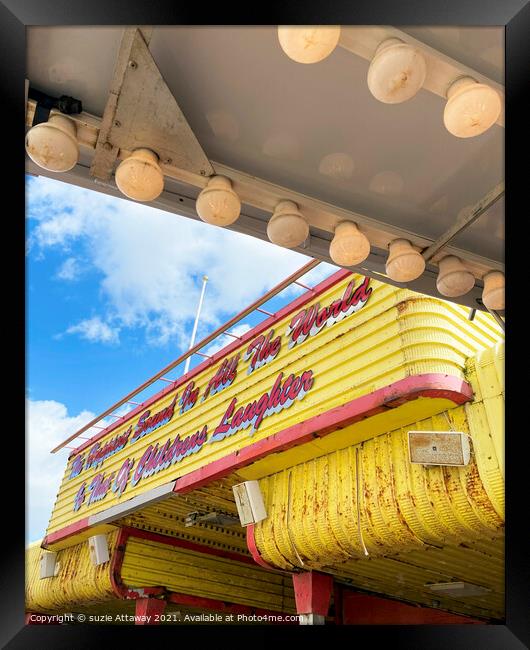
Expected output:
(308, 43)
(396, 72)
(218, 204)
(349, 246)
(404, 264)
(453, 278)
(287, 226)
(52, 145)
(493, 292)
(471, 109)
(139, 176)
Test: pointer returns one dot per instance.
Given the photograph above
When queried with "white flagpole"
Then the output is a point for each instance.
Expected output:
(196, 324)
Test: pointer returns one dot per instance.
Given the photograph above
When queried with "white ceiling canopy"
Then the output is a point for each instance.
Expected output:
(312, 134)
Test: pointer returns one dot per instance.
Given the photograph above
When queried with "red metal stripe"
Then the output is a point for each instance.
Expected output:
(224, 352)
(433, 385)
(252, 547)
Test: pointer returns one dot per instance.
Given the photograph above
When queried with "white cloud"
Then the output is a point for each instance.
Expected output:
(95, 331)
(151, 262)
(47, 424)
(69, 269)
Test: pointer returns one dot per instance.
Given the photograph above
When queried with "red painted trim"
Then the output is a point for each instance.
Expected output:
(312, 592)
(337, 603)
(71, 529)
(224, 352)
(433, 385)
(253, 548)
(201, 602)
(184, 543)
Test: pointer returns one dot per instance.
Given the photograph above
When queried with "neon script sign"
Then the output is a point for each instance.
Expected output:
(312, 320)
(262, 350)
(159, 457)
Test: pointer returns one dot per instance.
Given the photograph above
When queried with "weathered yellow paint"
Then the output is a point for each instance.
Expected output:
(365, 513)
(485, 416)
(395, 335)
(150, 563)
(78, 582)
(80, 586)
(79, 538)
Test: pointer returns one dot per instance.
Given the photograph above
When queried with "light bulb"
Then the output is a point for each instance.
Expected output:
(52, 145)
(453, 278)
(349, 245)
(396, 72)
(471, 109)
(308, 43)
(404, 263)
(287, 227)
(493, 292)
(218, 204)
(139, 176)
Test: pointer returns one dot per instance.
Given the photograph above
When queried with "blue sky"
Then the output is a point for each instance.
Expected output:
(112, 288)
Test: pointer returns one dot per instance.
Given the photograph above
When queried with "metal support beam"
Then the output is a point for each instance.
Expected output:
(464, 222)
(183, 205)
(234, 336)
(149, 610)
(498, 318)
(264, 196)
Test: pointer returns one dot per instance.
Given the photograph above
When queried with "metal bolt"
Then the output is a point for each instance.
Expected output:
(133, 65)
(203, 173)
(117, 123)
(169, 161)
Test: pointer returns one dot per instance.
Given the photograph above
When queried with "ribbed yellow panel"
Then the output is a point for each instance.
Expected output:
(149, 563)
(325, 517)
(485, 416)
(367, 514)
(77, 583)
(395, 335)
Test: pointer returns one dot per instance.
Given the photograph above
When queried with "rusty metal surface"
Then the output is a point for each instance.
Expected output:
(78, 582)
(369, 516)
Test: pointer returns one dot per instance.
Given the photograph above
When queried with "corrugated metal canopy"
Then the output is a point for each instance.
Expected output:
(315, 129)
